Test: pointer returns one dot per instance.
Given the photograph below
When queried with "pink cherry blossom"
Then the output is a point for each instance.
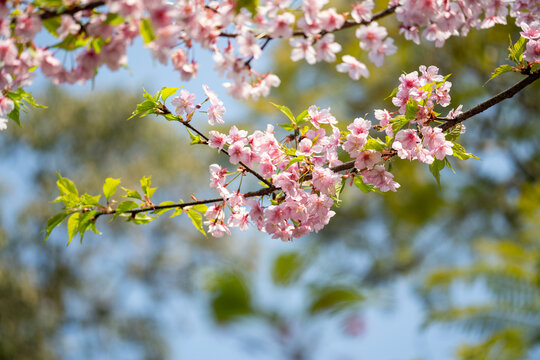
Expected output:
(355, 68)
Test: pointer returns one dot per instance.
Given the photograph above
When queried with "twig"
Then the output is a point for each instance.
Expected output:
(47, 14)
(506, 94)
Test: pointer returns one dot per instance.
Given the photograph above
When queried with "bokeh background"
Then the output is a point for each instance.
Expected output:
(429, 272)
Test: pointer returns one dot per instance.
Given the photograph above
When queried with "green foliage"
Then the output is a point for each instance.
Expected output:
(435, 169)
(21, 99)
(147, 33)
(230, 296)
(503, 345)
(460, 152)
(109, 188)
(398, 122)
(288, 267)
(334, 298)
(250, 5)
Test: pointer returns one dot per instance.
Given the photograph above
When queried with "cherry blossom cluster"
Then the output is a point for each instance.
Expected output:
(421, 93)
(99, 33)
(305, 172)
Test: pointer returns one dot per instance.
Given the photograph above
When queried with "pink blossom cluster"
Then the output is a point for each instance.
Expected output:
(421, 92)
(304, 168)
(101, 36)
(302, 205)
(439, 20)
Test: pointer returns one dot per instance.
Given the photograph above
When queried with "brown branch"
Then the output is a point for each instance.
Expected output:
(47, 13)
(506, 94)
(346, 25)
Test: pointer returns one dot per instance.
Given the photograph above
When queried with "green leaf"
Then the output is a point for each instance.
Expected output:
(71, 42)
(392, 94)
(166, 92)
(52, 24)
(412, 110)
(73, 225)
(338, 190)
(498, 71)
(361, 185)
(132, 194)
(54, 222)
(334, 299)
(250, 5)
(144, 108)
(125, 206)
(200, 208)
(86, 221)
(230, 296)
(436, 168)
(15, 114)
(141, 219)
(66, 186)
(454, 133)
(459, 152)
(114, 19)
(515, 51)
(288, 127)
(176, 212)
(398, 122)
(146, 31)
(197, 220)
(109, 187)
(288, 268)
(294, 160)
(145, 184)
(302, 117)
(286, 111)
(89, 200)
(374, 144)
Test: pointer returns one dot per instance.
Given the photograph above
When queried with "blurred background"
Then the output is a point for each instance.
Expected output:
(425, 273)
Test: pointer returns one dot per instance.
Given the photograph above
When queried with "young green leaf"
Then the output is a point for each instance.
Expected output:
(361, 185)
(73, 225)
(398, 122)
(286, 111)
(145, 184)
(459, 152)
(166, 92)
(146, 31)
(498, 71)
(109, 187)
(196, 219)
(436, 168)
(54, 222)
(132, 194)
(125, 206)
(66, 186)
(412, 110)
(288, 268)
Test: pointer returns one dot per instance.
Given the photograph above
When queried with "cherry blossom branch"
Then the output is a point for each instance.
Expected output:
(165, 111)
(47, 14)
(506, 94)
(346, 25)
(133, 212)
(450, 122)
(381, 14)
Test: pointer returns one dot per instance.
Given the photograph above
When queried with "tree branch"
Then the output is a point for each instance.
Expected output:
(346, 25)
(506, 94)
(47, 14)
